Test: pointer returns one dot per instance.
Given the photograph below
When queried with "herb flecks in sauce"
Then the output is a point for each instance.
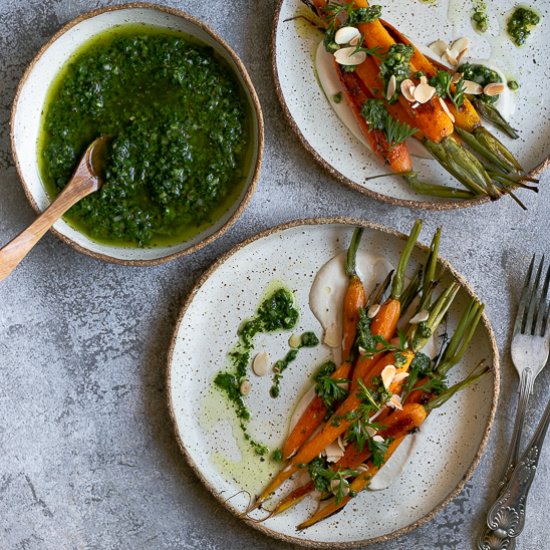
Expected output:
(307, 340)
(276, 312)
(482, 75)
(179, 125)
(397, 62)
(520, 24)
(513, 85)
(480, 20)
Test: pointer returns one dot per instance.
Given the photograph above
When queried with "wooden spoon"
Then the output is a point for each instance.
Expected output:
(86, 179)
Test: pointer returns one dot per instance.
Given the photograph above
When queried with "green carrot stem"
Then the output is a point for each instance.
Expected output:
(411, 290)
(491, 114)
(352, 252)
(377, 296)
(483, 151)
(435, 190)
(430, 270)
(448, 393)
(497, 147)
(399, 276)
(508, 181)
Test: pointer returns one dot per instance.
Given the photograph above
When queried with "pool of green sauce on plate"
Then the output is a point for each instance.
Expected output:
(180, 128)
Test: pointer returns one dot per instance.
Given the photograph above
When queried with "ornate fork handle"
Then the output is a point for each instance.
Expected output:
(507, 516)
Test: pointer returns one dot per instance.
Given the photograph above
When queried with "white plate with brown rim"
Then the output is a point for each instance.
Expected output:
(206, 424)
(31, 96)
(333, 145)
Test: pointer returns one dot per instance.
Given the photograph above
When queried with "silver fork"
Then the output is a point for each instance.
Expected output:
(530, 348)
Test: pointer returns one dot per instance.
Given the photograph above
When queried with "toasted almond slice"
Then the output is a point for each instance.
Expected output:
(345, 35)
(343, 385)
(450, 58)
(495, 88)
(378, 439)
(415, 105)
(395, 402)
(295, 341)
(461, 55)
(337, 485)
(371, 431)
(439, 47)
(373, 310)
(245, 387)
(332, 338)
(420, 317)
(446, 109)
(472, 88)
(423, 79)
(392, 86)
(260, 366)
(459, 45)
(340, 441)
(362, 351)
(362, 469)
(333, 452)
(400, 376)
(423, 92)
(407, 89)
(387, 375)
(456, 78)
(355, 41)
(346, 56)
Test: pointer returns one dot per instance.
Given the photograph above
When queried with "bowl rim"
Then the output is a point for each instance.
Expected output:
(373, 226)
(256, 108)
(446, 204)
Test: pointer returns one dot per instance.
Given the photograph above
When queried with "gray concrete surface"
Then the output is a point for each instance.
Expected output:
(87, 455)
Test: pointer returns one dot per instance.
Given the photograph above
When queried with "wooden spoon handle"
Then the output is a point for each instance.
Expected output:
(13, 252)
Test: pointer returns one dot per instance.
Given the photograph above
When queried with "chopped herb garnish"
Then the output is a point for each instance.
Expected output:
(442, 82)
(378, 450)
(323, 478)
(397, 62)
(331, 390)
(337, 98)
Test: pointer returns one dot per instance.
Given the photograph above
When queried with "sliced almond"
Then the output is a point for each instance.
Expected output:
(439, 47)
(345, 35)
(395, 402)
(459, 46)
(332, 336)
(340, 441)
(423, 93)
(333, 452)
(457, 77)
(378, 439)
(446, 109)
(423, 79)
(472, 88)
(295, 341)
(362, 469)
(343, 385)
(362, 351)
(450, 58)
(461, 55)
(392, 87)
(399, 377)
(245, 387)
(355, 41)
(373, 310)
(415, 105)
(387, 375)
(407, 89)
(420, 317)
(339, 485)
(495, 88)
(260, 366)
(348, 56)
(371, 431)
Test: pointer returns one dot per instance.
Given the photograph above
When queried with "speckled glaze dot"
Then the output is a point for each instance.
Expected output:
(335, 147)
(293, 254)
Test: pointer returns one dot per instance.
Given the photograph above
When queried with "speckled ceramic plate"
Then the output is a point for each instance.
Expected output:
(31, 96)
(206, 426)
(323, 134)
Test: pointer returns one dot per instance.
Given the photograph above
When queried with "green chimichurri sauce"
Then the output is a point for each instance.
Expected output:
(522, 21)
(276, 312)
(179, 126)
(480, 20)
(307, 340)
(482, 75)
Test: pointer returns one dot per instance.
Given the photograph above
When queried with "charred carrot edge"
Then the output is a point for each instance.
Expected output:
(397, 156)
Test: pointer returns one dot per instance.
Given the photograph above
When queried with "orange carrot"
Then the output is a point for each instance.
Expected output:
(397, 156)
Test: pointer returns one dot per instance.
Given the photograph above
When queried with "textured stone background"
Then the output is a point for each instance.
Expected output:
(87, 455)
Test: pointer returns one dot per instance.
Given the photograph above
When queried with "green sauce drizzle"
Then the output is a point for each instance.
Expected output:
(521, 23)
(307, 340)
(480, 20)
(276, 312)
(180, 129)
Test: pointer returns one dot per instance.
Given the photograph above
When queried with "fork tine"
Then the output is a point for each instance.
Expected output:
(521, 315)
(531, 317)
(543, 305)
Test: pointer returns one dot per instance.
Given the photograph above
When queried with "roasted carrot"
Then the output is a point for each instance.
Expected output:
(397, 156)
(354, 300)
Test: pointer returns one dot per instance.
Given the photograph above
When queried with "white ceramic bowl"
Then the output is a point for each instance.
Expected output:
(31, 95)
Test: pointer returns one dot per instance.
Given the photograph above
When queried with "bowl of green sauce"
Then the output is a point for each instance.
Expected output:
(185, 125)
